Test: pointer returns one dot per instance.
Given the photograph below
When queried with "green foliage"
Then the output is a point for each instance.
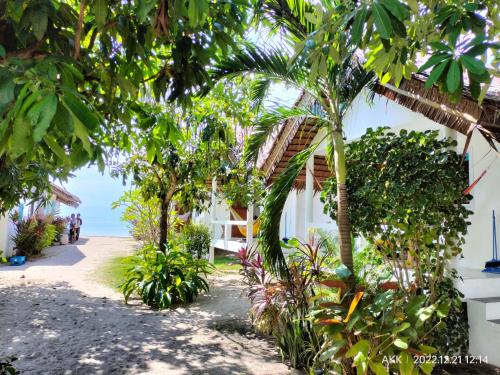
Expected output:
(196, 239)
(60, 226)
(374, 326)
(281, 306)
(458, 40)
(405, 194)
(162, 279)
(33, 235)
(452, 337)
(241, 185)
(142, 216)
(406, 198)
(6, 366)
(70, 75)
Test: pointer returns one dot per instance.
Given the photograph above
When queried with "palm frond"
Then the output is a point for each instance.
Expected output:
(289, 16)
(349, 79)
(271, 63)
(269, 240)
(270, 121)
(258, 92)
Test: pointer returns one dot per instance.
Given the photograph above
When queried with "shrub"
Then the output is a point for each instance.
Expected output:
(281, 306)
(32, 236)
(162, 279)
(6, 366)
(377, 331)
(142, 216)
(406, 198)
(196, 239)
(60, 227)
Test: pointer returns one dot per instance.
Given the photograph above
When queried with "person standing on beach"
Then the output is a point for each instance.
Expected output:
(72, 223)
(78, 224)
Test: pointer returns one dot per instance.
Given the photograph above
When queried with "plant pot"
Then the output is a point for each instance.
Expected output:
(17, 260)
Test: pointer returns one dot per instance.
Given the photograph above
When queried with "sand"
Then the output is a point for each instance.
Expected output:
(58, 319)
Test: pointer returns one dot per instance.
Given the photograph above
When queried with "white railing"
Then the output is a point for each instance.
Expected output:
(228, 224)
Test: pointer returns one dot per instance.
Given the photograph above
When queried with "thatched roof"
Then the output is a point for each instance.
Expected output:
(296, 135)
(487, 115)
(65, 197)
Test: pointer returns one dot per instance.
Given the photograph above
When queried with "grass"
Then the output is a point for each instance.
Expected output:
(226, 263)
(113, 272)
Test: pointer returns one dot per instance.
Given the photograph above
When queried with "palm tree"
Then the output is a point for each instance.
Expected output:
(333, 92)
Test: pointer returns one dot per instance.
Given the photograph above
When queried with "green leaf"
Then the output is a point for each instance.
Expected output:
(473, 65)
(101, 12)
(378, 368)
(39, 19)
(361, 346)
(401, 343)
(436, 73)
(54, 146)
(2, 51)
(49, 105)
(7, 86)
(21, 135)
(144, 7)
(433, 60)
(397, 9)
(359, 24)
(405, 364)
(382, 21)
(427, 367)
(401, 328)
(81, 111)
(83, 135)
(332, 350)
(399, 27)
(453, 78)
(150, 151)
(440, 46)
(193, 13)
(63, 119)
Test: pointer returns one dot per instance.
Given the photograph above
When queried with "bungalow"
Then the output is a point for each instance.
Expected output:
(408, 107)
(50, 207)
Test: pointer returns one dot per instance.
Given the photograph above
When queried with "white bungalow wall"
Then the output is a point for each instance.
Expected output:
(383, 112)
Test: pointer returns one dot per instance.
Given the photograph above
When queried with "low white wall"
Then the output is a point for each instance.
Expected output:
(5, 237)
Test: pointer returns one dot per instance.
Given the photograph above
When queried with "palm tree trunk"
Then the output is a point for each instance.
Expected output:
(343, 223)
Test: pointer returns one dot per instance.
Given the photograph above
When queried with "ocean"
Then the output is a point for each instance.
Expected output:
(97, 192)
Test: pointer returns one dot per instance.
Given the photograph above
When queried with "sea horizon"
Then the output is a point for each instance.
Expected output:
(97, 192)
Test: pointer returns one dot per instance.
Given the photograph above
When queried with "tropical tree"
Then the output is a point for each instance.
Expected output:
(70, 70)
(448, 38)
(172, 153)
(331, 94)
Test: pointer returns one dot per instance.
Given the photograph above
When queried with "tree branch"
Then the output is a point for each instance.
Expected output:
(79, 29)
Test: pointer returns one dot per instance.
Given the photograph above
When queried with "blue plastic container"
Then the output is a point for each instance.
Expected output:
(17, 260)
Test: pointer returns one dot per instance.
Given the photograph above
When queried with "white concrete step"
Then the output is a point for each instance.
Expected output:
(484, 328)
(491, 307)
(477, 284)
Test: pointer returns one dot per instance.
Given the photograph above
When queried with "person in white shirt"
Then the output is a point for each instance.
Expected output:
(78, 224)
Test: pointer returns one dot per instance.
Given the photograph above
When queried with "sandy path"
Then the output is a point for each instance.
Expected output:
(59, 320)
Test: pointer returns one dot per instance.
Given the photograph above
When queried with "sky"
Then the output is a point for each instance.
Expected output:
(96, 191)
